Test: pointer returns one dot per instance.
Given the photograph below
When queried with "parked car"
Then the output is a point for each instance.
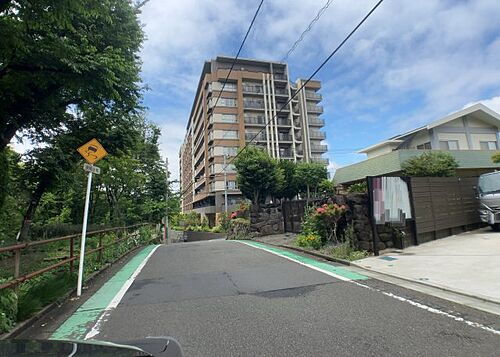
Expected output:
(488, 192)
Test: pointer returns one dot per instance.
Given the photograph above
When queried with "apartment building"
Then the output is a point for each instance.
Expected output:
(257, 93)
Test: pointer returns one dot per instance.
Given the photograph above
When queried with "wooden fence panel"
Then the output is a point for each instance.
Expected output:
(444, 202)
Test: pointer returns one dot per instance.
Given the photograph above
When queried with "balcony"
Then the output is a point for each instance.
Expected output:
(316, 122)
(260, 136)
(255, 120)
(320, 160)
(253, 104)
(281, 91)
(253, 89)
(315, 108)
(319, 148)
(284, 137)
(317, 135)
(283, 121)
(283, 107)
(313, 95)
(280, 77)
(299, 152)
(286, 153)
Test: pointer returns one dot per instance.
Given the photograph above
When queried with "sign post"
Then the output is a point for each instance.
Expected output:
(91, 152)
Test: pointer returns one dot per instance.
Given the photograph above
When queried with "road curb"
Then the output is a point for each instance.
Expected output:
(436, 286)
(24, 325)
(316, 254)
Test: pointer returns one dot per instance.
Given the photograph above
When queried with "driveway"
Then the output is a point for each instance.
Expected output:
(467, 263)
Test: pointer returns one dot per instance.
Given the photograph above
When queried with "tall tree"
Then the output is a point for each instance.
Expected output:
(56, 55)
(310, 175)
(290, 186)
(257, 174)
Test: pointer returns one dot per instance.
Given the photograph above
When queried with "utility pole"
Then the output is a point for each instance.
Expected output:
(165, 233)
(225, 183)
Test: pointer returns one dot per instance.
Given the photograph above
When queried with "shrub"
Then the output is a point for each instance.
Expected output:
(430, 164)
(345, 251)
(224, 221)
(309, 240)
(8, 308)
(239, 229)
(324, 221)
(217, 229)
(358, 187)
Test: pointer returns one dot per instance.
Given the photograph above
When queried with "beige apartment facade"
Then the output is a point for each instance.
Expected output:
(256, 93)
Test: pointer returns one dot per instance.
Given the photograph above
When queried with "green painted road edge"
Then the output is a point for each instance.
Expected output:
(312, 263)
(77, 325)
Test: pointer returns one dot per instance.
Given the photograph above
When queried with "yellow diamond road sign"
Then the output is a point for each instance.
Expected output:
(92, 151)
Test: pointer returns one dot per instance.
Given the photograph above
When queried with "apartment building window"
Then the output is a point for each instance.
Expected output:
(449, 145)
(232, 185)
(424, 146)
(229, 118)
(224, 102)
(488, 145)
(212, 169)
(230, 150)
(229, 134)
(229, 87)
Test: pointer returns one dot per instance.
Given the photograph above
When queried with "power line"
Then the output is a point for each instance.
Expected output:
(305, 83)
(310, 77)
(230, 70)
(308, 28)
(239, 50)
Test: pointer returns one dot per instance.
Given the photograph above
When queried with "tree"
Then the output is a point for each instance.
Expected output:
(496, 158)
(430, 164)
(327, 188)
(60, 55)
(310, 175)
(290, 185)
(257, 174)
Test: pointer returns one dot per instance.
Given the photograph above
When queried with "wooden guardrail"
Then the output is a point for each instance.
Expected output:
(17, 249)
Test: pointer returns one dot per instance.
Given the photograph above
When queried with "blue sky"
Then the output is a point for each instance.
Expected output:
(410, 63)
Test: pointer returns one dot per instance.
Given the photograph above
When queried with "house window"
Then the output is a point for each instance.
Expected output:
(228, 118)
(488, 145)
(231, 185)
(424, 146)
(449, 145)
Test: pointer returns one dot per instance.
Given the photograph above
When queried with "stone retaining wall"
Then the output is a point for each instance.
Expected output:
(267, 220)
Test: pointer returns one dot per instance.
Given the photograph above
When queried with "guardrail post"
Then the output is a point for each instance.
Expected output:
(71, 253)
(17, 262)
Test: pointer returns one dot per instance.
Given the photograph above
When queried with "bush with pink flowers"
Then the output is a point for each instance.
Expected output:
(324, 221)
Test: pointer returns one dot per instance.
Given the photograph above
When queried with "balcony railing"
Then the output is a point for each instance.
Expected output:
(317, 135)
(319, 122)
(284, 137)
(286, 153)
(283, 121)
(253, 89)
(253, 104)
(320, 160)
(255, 120)
(281, 91)
(300, 152)
(315, 108)
(283, 107)
(280, 77)
(319, 148)
(260, 137)
(313, 95)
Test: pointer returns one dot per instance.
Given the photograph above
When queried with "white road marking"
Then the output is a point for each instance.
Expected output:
(118, 297)
(394, 296)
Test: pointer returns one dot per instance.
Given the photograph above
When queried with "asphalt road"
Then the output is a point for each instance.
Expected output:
(225, 298)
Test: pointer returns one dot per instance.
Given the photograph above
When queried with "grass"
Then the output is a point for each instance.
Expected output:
(344, 251)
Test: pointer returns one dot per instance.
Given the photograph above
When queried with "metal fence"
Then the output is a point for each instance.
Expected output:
(17, 251)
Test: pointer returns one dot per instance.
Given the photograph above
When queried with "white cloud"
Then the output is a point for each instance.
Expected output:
(492, 103)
